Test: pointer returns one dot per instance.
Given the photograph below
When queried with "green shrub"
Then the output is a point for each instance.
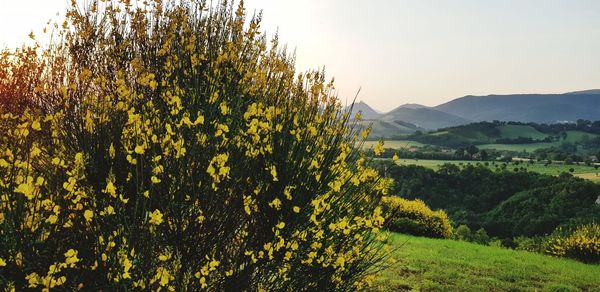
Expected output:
(168, 146)
(463, 232)
(416, 218)
(532, 244)
(480, 236)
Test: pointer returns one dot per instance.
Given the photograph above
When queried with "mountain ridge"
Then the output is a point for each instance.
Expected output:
(535, 108)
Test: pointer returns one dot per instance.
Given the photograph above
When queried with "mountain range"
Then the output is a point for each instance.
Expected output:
(537, 108)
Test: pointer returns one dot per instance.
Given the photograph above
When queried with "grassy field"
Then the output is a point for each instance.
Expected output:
(583, 171)
(506, 131)
(518, 147)
(516, 131)
(394, 144)
(522, 131)
(426, 264)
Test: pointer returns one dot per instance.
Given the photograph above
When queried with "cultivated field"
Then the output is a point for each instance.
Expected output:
(394, 144)
(583, 171)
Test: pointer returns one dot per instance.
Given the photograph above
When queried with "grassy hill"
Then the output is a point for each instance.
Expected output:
(516, 131)
(423, 117)
(394, 144)
(495, 135)
(382, 129)
(446, 265)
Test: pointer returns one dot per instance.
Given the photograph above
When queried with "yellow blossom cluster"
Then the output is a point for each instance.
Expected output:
(416, 218)
(582, 244)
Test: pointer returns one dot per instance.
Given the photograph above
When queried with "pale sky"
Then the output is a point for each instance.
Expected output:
(414, 51)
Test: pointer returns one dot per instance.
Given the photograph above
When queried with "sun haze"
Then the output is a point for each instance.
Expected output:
(424, 52)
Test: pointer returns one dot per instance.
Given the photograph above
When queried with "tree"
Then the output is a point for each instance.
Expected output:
(481, 237)
(463, 232)
(472, 150)
(484, 155)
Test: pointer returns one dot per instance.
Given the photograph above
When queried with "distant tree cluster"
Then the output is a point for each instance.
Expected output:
(505, 203)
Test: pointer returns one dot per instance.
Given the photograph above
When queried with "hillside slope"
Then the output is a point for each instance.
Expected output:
(423, 117)
(446, 265)
(387, 130)
(367, 112)
(539, 108)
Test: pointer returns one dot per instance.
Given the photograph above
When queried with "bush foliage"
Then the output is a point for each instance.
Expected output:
(170, 145)
(506, 204)
(582, 244)
(416, 218)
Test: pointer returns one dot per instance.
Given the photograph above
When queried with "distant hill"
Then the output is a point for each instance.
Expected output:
(538, 108)
(412, 106)
(589, 91)
(367, 112)
(512, 133)
(423, 117)
(525, 108)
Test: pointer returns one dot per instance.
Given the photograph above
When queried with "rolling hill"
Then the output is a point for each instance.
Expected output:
(423, 117)
(538, 108)
(387, 130)
(426, 264)
(496, 134)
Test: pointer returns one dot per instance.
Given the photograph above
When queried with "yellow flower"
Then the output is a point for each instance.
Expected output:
(156, 217)
(199, 120)
(155, 180)
(79, 158)
(111, 190)
(19, 259)
(378, 149)
(162, 275)
(27, 190)
(274, 173)
(111, 151)
(88, 215)
(2, 262)
(395, 158)
(36, 126)
(224, 108)
(365, 133)
(33, 279)
(52, 219)
(296, 209)
(71, 257)
(55, 161)
(139, 149)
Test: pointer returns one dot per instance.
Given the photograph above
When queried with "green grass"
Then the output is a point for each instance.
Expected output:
(572, 137)
(425, 264)
(516, 131)
(576, 136)
(583, 171)
(519, 147)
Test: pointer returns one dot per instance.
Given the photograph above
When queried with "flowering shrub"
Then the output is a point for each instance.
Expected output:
(582, 244)
(416, 218)
(168, 145)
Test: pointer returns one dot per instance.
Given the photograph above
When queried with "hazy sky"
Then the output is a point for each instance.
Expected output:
(415, 51)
